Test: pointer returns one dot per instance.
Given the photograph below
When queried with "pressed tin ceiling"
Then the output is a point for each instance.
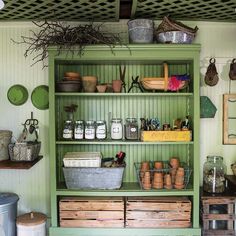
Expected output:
(113, 10)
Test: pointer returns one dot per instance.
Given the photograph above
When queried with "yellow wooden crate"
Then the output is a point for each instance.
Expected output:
(166, 136)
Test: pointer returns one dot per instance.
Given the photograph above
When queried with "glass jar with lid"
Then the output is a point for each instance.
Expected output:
(214, 171)
(79, 129)
(68, 130)
(131, 128)
(101, 129)
(89, 131)
(116, 129)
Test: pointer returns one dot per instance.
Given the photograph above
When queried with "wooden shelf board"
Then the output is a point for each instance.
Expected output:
(118, 142)
(60, 231)
(8, 164)
(122, 94)
(127, 189)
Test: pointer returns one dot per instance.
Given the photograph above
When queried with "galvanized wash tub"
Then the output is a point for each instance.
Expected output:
(93, 178)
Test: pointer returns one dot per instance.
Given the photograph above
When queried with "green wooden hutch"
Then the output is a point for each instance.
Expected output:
(140, 60)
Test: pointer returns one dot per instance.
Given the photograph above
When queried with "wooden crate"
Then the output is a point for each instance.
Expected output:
(166, 136)
(158, 212)
(208, 217)
(92, 212)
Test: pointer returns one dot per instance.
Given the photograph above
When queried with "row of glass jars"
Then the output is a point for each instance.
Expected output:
(84, 130)
(98, 129)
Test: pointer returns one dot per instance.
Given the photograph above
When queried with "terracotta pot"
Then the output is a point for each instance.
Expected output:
(117, 86)
(145, 166)
(158, 165)
(89, 83)
(101, 88)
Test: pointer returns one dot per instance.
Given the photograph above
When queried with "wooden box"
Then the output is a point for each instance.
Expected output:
(166, 136)
(158, 212)
(91, 212)
(210, 218)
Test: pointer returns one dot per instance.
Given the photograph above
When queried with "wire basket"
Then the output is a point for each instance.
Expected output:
(24, 151)
(167, 169)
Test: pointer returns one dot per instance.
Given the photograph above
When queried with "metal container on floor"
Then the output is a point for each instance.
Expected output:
(31, 224)
(8, 212)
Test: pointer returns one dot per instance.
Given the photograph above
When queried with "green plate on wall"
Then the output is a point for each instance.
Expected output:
(39, 97)
(17, 94)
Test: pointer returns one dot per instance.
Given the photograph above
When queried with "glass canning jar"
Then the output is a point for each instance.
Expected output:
(79, 129)
(131, 128)
(101, 129)
(214, 171)
(89, 132)
(68, 130)
(116, 128)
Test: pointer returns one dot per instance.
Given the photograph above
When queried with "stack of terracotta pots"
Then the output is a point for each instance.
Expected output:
(174, 164)
(145, 175)
(167, 181)
(161, 177)
(179, 178)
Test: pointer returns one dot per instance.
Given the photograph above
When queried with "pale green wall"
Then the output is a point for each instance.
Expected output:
(217, 39)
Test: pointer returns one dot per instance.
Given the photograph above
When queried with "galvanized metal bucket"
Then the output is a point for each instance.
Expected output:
(140, 30)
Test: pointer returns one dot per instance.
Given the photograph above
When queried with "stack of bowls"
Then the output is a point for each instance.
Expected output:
(70, 83)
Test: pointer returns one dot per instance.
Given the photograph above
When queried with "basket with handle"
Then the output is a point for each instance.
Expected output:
(169, 24)
(24, 151)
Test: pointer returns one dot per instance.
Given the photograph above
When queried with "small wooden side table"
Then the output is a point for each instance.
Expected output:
(226, 201)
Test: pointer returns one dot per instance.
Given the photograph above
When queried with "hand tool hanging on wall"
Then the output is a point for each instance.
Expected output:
(211, 77)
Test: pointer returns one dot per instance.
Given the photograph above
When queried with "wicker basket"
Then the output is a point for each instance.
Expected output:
(25, 151)
(164, 83)
(82, 159)
(169, 24)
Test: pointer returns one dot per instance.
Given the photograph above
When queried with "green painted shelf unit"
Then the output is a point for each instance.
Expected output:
(143, 60)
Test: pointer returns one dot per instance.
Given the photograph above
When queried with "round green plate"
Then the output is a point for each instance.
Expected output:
(39, 97)
(17, 94)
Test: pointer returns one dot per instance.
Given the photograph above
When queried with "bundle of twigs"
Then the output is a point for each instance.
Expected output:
(65, 37)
